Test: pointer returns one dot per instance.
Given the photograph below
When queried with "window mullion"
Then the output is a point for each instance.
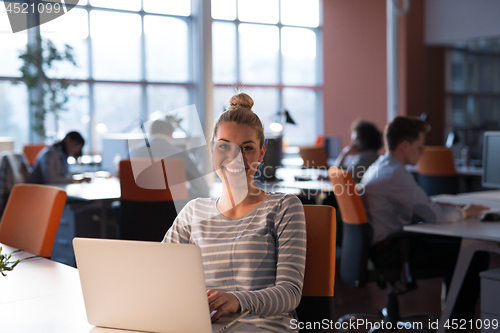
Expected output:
(144, 97)
(237, 41)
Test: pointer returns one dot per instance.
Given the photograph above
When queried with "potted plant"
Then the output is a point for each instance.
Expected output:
(53, 92)
(5, 264)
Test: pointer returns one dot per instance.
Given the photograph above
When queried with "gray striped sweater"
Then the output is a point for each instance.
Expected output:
(259, 257)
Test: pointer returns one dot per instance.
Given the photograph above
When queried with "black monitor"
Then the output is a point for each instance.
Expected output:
(491, 159)
(272, 159)
(332, 146)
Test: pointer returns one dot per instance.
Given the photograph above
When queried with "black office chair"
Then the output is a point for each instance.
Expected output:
(355, 267)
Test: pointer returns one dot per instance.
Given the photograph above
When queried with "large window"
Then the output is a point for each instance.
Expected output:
(271, 49)
(139, 58)
(13, 98)
(134, 59)
(473, 92)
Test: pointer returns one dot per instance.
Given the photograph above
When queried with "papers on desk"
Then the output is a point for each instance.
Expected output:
(468, 199)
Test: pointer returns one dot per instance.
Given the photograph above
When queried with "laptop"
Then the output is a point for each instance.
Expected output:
(145, 286)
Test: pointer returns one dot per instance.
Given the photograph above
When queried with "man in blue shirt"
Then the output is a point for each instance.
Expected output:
(392, 199)
(51, 166)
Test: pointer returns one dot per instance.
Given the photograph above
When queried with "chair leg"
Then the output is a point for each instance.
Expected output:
(391, 310)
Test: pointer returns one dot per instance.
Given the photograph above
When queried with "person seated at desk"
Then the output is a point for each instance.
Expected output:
(51, 165)
(253, 242)
(366, 140)
(160, 145)
(392, 199)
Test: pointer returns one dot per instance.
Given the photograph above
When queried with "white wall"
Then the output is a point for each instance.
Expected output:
(450, 21)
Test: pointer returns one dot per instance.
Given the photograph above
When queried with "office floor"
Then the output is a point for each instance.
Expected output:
(426, 298)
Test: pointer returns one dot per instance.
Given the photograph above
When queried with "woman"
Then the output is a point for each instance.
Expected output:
(51, 166)
(253, 242)
(366, 140)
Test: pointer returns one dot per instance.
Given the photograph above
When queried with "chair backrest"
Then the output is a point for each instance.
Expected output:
(314, 157)
(356, 230)
(321, 228)
(436, 171)
(437, 161)
(162, 181)
(31, 218)
(31, 151)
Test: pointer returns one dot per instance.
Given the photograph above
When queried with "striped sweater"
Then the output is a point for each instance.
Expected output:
(259, 257)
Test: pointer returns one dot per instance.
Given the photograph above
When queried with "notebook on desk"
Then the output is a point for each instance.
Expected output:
(145, 286)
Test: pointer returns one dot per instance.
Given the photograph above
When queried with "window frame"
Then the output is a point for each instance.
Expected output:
(280, 86)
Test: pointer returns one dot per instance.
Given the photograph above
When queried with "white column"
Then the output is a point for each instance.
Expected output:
(393, 12)
(202, 50)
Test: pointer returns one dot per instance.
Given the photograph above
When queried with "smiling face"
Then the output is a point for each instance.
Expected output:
(236, 153)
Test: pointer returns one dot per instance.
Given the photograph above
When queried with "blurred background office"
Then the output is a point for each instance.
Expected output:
(323, 61)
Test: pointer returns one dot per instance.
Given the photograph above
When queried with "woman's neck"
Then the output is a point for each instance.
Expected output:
(238, 202)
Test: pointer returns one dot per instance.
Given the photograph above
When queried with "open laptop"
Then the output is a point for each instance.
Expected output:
(145, 286)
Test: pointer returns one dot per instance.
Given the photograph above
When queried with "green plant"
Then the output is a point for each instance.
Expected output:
(37, 60)
(5, 264)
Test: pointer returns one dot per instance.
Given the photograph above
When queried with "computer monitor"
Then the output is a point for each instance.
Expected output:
(115, 147)
(491, 159)
(272, 159)
(332, 146)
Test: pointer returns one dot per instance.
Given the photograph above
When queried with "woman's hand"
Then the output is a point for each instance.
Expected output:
(221, 302)
(351, 148)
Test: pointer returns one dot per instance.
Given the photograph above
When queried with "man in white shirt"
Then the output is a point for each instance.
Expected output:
(392, 199)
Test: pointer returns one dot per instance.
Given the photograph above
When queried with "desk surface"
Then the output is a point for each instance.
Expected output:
(97, 189)
(476, 236)
(470, 228)
(44, 296)
(109, 188)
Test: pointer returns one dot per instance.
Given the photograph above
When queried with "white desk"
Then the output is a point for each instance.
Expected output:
(476, 236)
(41, 295)
(44, 296)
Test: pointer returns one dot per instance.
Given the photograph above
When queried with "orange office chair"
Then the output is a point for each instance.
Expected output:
(31, 151)
(436, 171)
(354, 268)
(317, 292)
(314, 157)
(147, 207)
(31, 218)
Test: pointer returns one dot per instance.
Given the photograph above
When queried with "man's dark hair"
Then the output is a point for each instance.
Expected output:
(367, 134)
(73, 136)
(76, 137)
(404, 129)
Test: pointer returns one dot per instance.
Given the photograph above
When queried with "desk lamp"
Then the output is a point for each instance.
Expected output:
(283, 116)
(452, 139)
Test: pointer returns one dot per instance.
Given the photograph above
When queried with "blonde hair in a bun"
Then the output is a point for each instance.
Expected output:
(240, 112)
(240, 100)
